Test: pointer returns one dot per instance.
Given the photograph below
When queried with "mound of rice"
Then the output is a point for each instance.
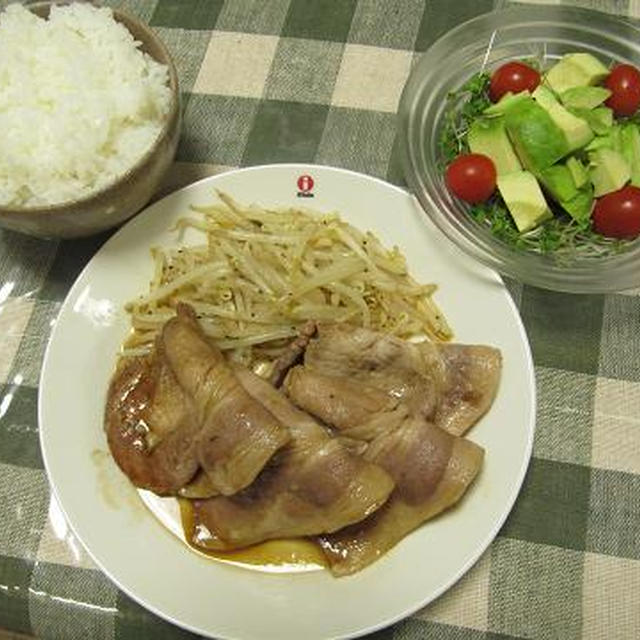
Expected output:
(79, 103)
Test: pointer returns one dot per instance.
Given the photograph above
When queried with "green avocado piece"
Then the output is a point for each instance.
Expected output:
(579, 207)
(544, 97)
(599, 119)
(564, 76)
(590, 66)
(612, 139)
(608, 170)
(600, 142)
(505, 103)
(489, 137)
(576, 130)
(584, 97)
(578, 171)
(602, 119)
(524, 199)
(537, 139)
(559, 182)
(575, 70)
(630, 139)
(616, 138)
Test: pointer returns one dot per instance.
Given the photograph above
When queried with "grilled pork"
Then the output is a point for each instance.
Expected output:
(179, 421)
(348, 371)
(151, 427)
(314, 485)
(432, 470)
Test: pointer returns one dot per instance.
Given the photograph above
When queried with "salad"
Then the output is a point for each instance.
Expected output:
(549, 159)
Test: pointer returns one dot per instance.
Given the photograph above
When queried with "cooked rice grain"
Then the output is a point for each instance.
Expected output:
(79, 103)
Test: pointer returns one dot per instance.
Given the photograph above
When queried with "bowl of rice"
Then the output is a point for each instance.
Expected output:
(89, 117)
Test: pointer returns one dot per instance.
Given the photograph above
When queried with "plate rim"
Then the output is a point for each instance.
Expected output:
(480, 547)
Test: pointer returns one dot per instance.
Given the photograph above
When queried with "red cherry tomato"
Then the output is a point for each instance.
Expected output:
(624, 84)
(617, 214)
(514, 77)
(472, 177)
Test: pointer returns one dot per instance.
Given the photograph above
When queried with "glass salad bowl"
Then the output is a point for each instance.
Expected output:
(541, 33)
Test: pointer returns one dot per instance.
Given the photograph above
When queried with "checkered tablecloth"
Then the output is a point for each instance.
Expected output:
(267, 81)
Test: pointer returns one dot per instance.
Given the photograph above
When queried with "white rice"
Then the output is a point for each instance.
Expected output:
(79, 103)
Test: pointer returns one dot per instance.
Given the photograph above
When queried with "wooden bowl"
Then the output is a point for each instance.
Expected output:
(126, 196)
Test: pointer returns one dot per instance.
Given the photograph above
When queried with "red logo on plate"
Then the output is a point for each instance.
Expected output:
(305, 186)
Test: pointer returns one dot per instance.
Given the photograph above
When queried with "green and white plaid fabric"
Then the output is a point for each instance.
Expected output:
(268, 81)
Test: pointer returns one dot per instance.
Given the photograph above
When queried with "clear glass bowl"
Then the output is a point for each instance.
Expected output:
(484, 43)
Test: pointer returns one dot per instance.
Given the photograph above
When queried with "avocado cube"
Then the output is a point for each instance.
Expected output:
(563, 76)
(505, 103)
(631, 150)
(559, 182)
(593, 69)
(599, 119)
(616, 138)
(537, 139)
(575, 70)
(584, 97)
(575, 130)
(489, 137)
(608, 170)
(544, 97)
(578, 172)
(524, 199)
(600, 142)
(579, 207)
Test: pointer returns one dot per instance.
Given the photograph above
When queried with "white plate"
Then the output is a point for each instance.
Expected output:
(149, 563)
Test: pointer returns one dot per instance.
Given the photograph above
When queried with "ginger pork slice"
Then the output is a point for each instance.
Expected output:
(178, 421)
(354, 408)
(471, 380)
(238, 435)
(452, 385)
(313, 485)
(150, 425)
(432, 470)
